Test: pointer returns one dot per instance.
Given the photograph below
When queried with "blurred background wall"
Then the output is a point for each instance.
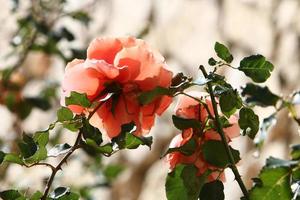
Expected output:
(185, 32)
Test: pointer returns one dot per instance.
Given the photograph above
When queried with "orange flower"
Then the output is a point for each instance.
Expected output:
(191, 109)
(130, 64)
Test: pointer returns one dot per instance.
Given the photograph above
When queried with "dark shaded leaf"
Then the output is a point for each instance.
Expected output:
(91, 132)
(38, 102)
(27, 146)
(212, 62)
(212, 191)
(11, 195)
(223, 52)
(105, 149)
(256, 67)
(186, 149)
(182, 123)
(295, 151)
(183, 183)
(215, 154)
(59, 192)
(248, 122)
(258, 95)
(230, 101)
(127, 139)
(276, 162)
(149, 96)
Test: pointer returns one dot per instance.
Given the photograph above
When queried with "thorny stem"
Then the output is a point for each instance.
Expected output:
(65, 158)
(58, 167)
(222, 134)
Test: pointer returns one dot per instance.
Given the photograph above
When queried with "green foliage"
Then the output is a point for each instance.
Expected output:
(212, 62)
(248, 122)
(214, 153)
(184, 184)
(182, 123)
(63, 193)
(149, 96)
(256, 67)
(274, 183)
(127, 140)
(212, 191)
(78, 99)
(230, 101)
(64, 114)
(11, 195)
(223, 52)
(186, 149)
(90, 132)
(258, 95)
(295, 152)
(112, 171)
(13, 158)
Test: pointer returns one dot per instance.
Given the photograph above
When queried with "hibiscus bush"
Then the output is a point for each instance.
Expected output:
(112, 93)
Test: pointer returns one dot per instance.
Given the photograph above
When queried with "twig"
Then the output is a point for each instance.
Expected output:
(222, 134)
(58, 167)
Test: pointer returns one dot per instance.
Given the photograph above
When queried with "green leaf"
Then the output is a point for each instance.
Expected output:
(41, 138)
(112, 171)
(184, 184)
(248, 122)
(105, 149)
(27, 146)
(212, 191)
(274, 184)
(64, 114)
(212, 62)
(2, 155)
(230, 101)
(295, 152)
(36, 196)
(73, 125)
(59, 192)
(182, 123)
(186, 149)
(40, 154)
(214, 153)
(38, 102)
(147, 97)
(11, 195)
(256, 67)
(223, 52)
(276, 162)
(12, 158)
(91, 132)
(127, 140)
(69, 196)
(78, 99)
(59, 149)
(258, 95)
